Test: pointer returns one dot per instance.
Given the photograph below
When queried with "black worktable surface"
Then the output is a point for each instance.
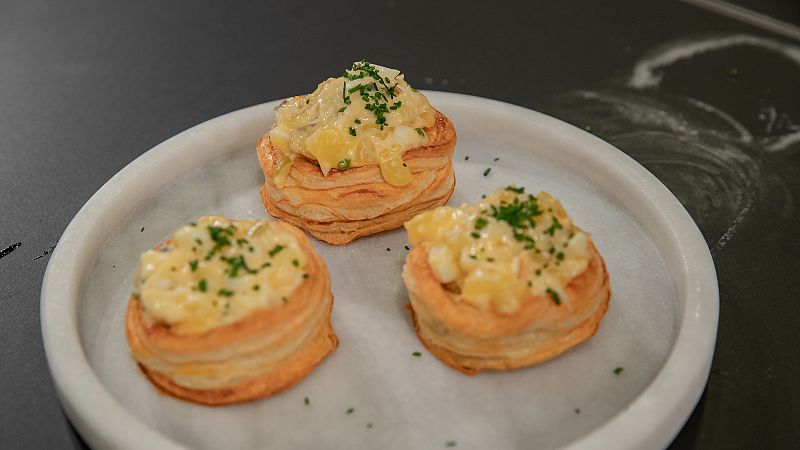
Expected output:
(709, 104)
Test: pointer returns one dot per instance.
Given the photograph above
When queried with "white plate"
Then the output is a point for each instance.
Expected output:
(660, 327)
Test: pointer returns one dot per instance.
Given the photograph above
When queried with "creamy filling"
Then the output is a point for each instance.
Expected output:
(509, 247)
(369, 115)
(217, 271)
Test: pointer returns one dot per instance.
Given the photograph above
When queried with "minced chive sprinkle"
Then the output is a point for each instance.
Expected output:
(352, 131)
(350, 410)
(193, 265)
(475, 235)
(295, 263)
(407, 247)
(417, 354)
(388, 249)
(202, 285)
(256, 287)
(486, 172)
(419, 131)
(358, 121)
(342, 109)
(555, 296)
(225, 293)
(275, 250)
(496, 159)
(618, 370)
(344, 164)
(480, 223)
(466, 158)
(306, 401)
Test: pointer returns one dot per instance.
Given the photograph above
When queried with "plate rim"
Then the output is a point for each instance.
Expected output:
(651, 419)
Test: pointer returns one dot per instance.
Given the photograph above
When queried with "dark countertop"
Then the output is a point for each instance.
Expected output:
(86, 87)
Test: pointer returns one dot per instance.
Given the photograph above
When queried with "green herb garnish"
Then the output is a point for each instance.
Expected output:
(352, 131)
(344, 164)
(555, 296)
(417, 354)
(555, 225)
(480, 223)
(225, 293)
(202, 285)
(486, 172)
(420, 131)
(275, 250)
(193, 265)
(236, 264)
(618, 370)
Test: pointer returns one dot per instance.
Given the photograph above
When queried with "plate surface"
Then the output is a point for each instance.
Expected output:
(660, 327)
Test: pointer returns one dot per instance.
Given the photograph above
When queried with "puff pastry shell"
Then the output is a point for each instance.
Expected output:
(265, 352)
(348, 204)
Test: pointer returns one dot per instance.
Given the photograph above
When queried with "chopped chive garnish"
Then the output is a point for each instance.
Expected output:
(193, 265)
(487, 171)
(618, 370)
(350, 410)
(417, 354)
(358, 121)
(275, 250)
(225, 293)
(555, 296)
(344, 164)
(420, 131)
(295, 263)
(352, 131)
(480, 223)
(475, 235)
(306, 401)
(202, 285)
(342, 109)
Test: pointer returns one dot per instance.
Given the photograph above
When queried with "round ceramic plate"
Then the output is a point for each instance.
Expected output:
(373, 392)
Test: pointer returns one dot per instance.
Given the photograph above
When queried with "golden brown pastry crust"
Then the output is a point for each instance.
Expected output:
(227, 355)
(357, 202)
(469, 339)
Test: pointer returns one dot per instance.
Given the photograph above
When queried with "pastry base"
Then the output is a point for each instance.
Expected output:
(289, 373)
(345, 205)
(492, 341)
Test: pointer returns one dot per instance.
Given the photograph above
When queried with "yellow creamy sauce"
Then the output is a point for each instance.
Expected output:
(217, 271)
(507, 248)
(368, 116)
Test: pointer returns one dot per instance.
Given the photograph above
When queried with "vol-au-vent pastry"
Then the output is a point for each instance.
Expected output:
(227, 311)
(505, 283)
(361, 154)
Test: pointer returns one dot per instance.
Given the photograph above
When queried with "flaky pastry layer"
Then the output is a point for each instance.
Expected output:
(348, 204)
(469, 339)
(267, 351)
